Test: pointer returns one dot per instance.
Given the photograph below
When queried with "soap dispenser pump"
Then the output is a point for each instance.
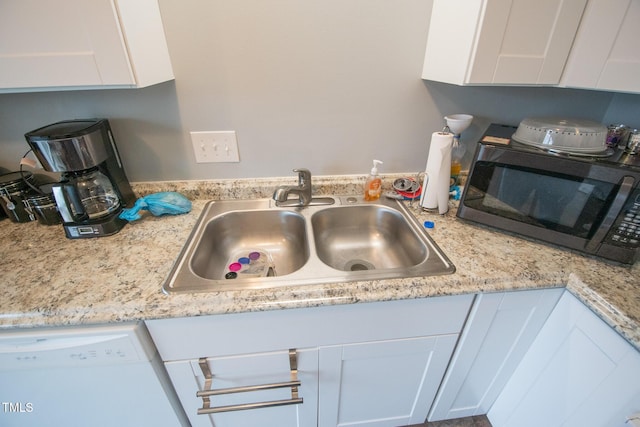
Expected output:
(373, 186)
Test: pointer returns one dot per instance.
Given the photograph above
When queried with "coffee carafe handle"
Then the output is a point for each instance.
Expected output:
(69, 203)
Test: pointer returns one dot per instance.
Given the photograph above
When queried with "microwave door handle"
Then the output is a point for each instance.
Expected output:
(625, 190)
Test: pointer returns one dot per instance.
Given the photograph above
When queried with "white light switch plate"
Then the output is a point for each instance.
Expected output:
(214, 147)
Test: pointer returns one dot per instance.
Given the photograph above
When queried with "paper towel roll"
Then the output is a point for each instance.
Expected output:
(435, 190)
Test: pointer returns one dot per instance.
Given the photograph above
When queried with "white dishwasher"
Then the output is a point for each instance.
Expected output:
(85, 376)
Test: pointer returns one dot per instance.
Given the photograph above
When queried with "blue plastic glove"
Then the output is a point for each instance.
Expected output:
(165, 203)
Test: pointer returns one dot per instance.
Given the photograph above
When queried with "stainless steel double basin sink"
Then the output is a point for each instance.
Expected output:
(253, 244)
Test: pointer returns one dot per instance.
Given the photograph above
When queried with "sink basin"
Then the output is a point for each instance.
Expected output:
(366, 237)
(252, 244)
(277, 236)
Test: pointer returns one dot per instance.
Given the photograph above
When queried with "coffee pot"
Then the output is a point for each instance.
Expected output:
(88, 195)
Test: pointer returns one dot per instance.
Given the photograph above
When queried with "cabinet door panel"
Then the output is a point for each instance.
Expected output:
(68, 43)
(60, 69)
(500, 41)
(616, 398)
(578, 372)
(605, 54)
(78, 44)
(622, 68)
(535, 41)
(576, 363)
(377, 384)
(500, 329)
(247, 370)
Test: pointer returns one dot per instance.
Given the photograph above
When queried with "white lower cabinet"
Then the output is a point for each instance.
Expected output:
(527, 358)
(374, 364)
(500, 330)
(578, 372)
(387, 383)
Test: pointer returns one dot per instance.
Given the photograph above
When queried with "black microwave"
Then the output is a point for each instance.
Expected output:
(589, 204)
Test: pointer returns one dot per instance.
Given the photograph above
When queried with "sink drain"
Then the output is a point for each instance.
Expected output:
(358, 265)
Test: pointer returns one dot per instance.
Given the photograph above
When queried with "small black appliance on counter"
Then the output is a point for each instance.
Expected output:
(94, 187)
(589, 203)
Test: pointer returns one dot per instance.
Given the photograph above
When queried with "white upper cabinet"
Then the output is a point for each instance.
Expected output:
(606, 52)
(510, 42)
(79, 44)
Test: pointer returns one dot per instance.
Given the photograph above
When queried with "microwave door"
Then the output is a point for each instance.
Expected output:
(570, 214)
(544, 201)
(558, 208)
(508, 194)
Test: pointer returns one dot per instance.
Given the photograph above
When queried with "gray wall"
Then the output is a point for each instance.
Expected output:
(328, 85)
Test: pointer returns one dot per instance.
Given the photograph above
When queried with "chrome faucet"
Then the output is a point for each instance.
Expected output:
(302, 190)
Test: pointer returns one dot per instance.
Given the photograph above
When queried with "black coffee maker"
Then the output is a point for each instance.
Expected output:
(94, 188)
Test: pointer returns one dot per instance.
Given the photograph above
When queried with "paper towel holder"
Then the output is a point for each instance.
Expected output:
(435, 189)
(435, 196)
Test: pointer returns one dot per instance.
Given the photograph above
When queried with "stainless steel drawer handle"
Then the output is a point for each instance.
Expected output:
(248, 388)
(247, 406)
(294, 383)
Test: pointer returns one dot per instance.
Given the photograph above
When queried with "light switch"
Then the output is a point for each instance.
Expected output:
(215, 146)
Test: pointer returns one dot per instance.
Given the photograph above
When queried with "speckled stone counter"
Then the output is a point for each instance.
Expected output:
(48, 280)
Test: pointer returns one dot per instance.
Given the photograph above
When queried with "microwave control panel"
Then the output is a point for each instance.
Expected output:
(626, 229)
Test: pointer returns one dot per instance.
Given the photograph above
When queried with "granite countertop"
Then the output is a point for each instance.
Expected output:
(48, 280)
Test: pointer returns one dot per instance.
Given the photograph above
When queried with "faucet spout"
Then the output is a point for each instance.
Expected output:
(302, 190)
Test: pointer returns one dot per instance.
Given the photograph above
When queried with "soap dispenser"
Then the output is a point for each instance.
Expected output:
(373, 186)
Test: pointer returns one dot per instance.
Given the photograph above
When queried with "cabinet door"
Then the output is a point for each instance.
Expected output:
(81, 44)
(579, 372)
(500, 41)
(386, 383)
(606, 53)
(248, 370)
(499, 331)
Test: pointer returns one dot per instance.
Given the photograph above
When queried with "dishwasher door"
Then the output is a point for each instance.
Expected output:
(85, 376)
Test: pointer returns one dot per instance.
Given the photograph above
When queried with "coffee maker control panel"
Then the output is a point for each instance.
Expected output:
(76, 231)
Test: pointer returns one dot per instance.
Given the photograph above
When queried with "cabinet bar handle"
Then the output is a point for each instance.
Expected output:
(247, 388)
(204, 367)
(294, 383)
(246, 406)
